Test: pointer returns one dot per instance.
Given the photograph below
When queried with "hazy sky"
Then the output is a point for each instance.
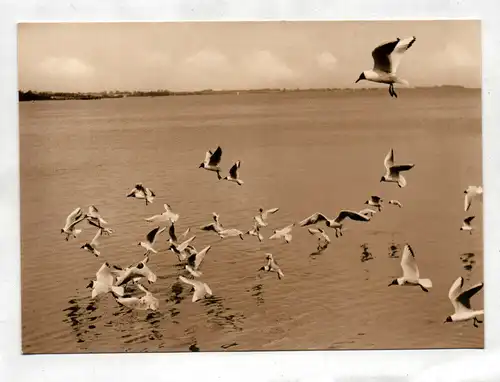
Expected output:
(239, 55)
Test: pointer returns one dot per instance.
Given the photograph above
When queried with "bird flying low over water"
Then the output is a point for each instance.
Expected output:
(201, 289)
(234, 172)
(460, 300)
(261, 218)
(182, 249)
(466, 226)
(194, 261)
(375, 201)
(471, 193)
(133, 273)
(255, 231)
(212, 161)
(94, 216)
(411, 274)
(230, 232)
(272, 266)
(386, 60)
(104, 282)
(283, 233)
(141, 192)
(167, 216)
(74, 218)
(92, 246)
(151, 239)
(216, 226)
(146, 302)
(393, 171)
(336, 223)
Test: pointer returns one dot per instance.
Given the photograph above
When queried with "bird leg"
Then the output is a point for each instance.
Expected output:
(475, 324)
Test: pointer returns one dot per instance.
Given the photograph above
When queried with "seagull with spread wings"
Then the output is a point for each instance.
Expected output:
(234, 174)
(393, 171)
(460, 299)
(336, 223)
(411, 274)
(212, 161)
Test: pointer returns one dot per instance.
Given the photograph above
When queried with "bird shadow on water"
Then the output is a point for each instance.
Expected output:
(257, 293)
(468, 262)
(394, 251)
(366, 254)
(221, 316)
(81, 317)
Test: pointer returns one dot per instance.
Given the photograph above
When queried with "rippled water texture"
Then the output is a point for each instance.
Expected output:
(302, 152)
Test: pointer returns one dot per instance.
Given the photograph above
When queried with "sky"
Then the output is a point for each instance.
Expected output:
(181, 56)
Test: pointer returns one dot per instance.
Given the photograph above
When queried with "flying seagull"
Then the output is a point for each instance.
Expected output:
(201, 289)
(104, 282)
(471, 193)
(283, 233)
(167, 216)
(386, 59)
(234, 174)
(255, 231)
(216, 226)
(146, 302)
(393, 172)
(336, 223)
(141, 192)
(212, 160)
(94, 216)
(466, 226)
(411, 275)
(151, 239)
(194, 261)
(272, 266)
(182, 249)
(230, 232)
(261, 218)
(92, 246)
(375, 201)
(395, 203)
(134, 273)
(72, 220)
(461, 302)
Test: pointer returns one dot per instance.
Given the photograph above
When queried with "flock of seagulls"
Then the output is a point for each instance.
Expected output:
(119, 281)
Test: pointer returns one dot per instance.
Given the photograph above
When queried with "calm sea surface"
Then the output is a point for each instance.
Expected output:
(302, 152)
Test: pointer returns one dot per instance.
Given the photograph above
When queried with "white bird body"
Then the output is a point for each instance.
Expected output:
(212, 161)
(151, 240)
(466, 226)
(395, 203)
(74, 218)
(201, 289)
(234, 174)
(336, 223)
(471, 193)
(411, 274)
(283, 233)
(166, 217)
(393, 172)
(230, 232)
(460, 300)
(386, 60)
(272, 266)
(141, 192)
(104, 282)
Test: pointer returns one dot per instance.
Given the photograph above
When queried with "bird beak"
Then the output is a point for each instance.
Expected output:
(89, 285)
(357, 80)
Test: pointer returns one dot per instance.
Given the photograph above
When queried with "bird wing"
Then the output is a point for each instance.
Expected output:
(389, 159)
(351, 215)
(200, 256)
(313, 219)
(269, 211)
(400, 167)
(185, 232)
(208, 154)
(314, 231)
(382, 56)
(287, 229)
(398, 51)
(171, 233)
(215, 157)
(93, 211)
(233, 171)
(95, 240)
(181, 247)
(409, 264)
(469, 219)
(463, 300)
(151, 236)
(74, 215)
(104, 275)
(468, 201)
(195, 283)
(79, 220)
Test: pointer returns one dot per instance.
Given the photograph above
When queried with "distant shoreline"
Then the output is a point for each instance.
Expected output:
(29, 95)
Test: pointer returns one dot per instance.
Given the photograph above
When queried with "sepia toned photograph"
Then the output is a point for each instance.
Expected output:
(250, 186)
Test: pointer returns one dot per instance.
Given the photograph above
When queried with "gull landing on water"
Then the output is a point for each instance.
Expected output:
(334, 223)
(234, 174)
(272, 266)
(393, 172)
(212, 160)
(411, 275)
(141, 192)
(386, 59)
(461, 302)
(466, 226)
(284, 233)
(471, 193)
